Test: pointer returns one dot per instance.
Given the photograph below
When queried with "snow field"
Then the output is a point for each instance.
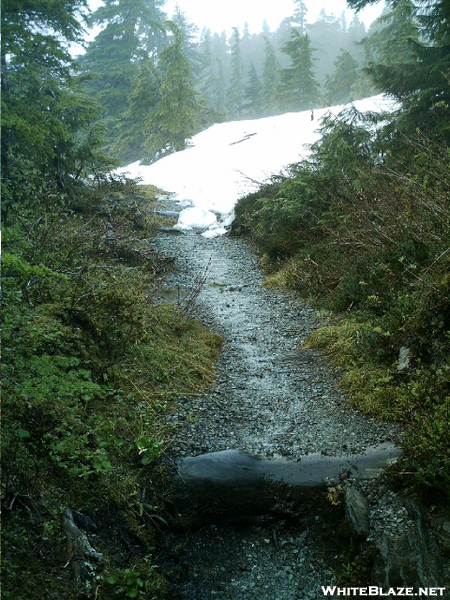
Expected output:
(229, 160)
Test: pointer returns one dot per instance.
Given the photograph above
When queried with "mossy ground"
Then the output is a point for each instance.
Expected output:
(92, 366)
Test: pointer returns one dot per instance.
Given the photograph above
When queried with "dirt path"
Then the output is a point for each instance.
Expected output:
(272, 398)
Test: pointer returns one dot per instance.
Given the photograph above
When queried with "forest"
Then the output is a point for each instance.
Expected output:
(91, 359)
(200, 78)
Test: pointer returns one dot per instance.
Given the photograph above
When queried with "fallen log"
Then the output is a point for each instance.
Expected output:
(230, 484)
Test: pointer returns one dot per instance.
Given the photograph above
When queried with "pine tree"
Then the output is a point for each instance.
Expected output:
(137, 129)
(270, 80)
(211, 84)
(422, 84)
(173, 120)
(298, 86)
(132, 31)
(390, 44)
(46, 121)
(236, 90)
(189, 33)
(253, 93)
(327, 37)
(421, 79)
(299, 17)
(340, 84)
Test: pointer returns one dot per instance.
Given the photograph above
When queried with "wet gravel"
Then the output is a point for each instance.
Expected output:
(273, 398)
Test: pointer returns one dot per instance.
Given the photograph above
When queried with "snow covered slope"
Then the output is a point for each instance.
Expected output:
(228, 160)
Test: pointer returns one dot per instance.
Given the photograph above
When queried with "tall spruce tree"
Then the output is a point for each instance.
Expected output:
(299, 17)
(136, 131)
(236, 89)
(341, 84)
(298, 85)
(327, 37)
(174, 119)
(211, 84)
(131, 31)
(270, 80)
(47, 124)
(253, 88)
(422, 84)
(189, 33)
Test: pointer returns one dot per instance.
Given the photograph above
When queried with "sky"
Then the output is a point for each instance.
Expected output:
(220, 16)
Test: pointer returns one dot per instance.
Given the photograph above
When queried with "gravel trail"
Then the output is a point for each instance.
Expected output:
(272, 398)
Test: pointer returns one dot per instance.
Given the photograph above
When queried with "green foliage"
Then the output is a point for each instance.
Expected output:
(362, 229)
(253, 92)
(132, 31)
(236, 90)
(298, 86)
(90, 367)
(270, 79)
(174, 119)
(45, 118)
(341, 84)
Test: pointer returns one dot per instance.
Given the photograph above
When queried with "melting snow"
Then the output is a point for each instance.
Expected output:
(229, 160)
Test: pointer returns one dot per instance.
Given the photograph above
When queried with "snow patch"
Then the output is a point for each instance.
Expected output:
(230, 160)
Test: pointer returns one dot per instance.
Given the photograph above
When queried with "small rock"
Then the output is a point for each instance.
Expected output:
(403, 359)
(357, 511)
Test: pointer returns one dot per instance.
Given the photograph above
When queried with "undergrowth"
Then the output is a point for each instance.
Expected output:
(91, 365)
(362, 229)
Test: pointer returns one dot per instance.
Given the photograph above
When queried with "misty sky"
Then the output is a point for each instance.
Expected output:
(220, 16)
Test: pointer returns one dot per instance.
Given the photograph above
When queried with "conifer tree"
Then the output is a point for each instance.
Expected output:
(46, 121)
(270, 80)
(422, 83)
(253, 93)
(173, 120)
(299, 17)
(211, 84)
(298, 86)
(132, 30)
(189, 33)
(340, 85)
(136, 131)
(328, 35)
(236, 89)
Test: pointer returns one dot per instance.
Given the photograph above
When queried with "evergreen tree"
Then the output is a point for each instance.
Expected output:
(135, 140)
(270, 80)
(236, 90)
(46, 121)
(390, 43)
(211, 84)
(173, 120)
(189, 33)
(279, 39)
(356, 33)
(422, 83)
(253, 93)
(298, 86)
(327, 37)
(300, 16)
(340, 85)
(132, 30)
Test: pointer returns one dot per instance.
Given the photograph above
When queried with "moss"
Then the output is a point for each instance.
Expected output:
(92, 366)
